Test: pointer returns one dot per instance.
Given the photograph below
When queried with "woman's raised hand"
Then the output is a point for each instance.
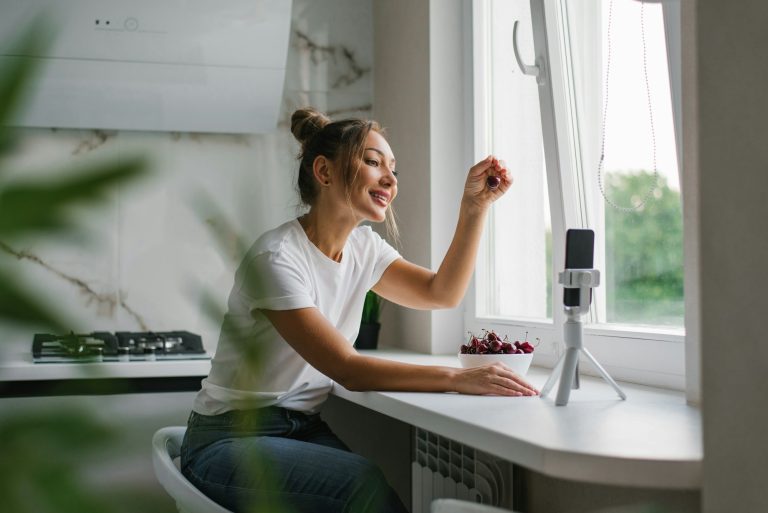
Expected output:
(477, 191)
(493, 379)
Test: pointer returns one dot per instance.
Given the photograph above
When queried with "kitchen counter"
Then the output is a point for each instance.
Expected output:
(20, 376)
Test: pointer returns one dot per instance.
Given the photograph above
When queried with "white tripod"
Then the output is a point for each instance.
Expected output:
(584, 280)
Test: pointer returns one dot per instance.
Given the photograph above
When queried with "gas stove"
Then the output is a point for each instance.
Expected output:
(121, 346)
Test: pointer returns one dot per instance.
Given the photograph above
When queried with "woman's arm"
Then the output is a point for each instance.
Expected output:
(411, 285)
(323, 347)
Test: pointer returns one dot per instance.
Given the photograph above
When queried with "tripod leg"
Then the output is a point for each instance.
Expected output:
(604, 373)
(566, 378)
(552, 377)
(576, 381)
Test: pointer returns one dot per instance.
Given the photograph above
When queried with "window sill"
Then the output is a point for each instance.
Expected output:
(653, 359)
(651, 440)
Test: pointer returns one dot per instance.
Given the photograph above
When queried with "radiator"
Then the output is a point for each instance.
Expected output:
(444, 468)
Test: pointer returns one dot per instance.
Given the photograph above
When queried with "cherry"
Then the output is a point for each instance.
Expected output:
(493, 182)
(492, 343)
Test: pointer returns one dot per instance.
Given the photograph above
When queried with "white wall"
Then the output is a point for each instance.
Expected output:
(732, 150)
(422, 81)
(401, 104)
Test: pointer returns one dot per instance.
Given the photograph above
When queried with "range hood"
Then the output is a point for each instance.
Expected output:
(169, 65)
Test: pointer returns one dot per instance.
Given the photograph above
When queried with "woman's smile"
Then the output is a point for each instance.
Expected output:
(380, 197)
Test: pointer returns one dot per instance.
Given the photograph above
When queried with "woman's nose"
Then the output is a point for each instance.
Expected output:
(389, 177)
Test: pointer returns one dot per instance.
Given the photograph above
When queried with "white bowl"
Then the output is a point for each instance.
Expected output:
(517, 362)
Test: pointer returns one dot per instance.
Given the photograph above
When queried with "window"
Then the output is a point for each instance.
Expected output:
(603, 88)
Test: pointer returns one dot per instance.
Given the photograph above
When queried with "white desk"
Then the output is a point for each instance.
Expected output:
(651, 440)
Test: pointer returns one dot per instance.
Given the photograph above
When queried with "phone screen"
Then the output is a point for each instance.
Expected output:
(579, 254)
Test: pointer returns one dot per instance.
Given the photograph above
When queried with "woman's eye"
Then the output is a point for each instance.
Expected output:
(395, 173)
(371, 162)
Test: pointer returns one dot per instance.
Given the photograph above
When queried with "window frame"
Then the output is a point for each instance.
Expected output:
(641, 354)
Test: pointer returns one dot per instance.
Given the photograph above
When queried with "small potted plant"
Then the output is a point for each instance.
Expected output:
(368, 337)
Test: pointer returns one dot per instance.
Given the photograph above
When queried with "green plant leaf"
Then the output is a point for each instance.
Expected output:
(230, 244)
(19, 306)
(371, 308)
(42, 206)
(44, 447)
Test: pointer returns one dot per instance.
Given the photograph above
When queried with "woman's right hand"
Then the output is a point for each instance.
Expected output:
(493, 379)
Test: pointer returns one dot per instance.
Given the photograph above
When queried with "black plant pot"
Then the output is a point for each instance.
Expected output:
(368, 338)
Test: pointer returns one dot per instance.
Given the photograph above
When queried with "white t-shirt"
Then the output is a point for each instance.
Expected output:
(284, 270)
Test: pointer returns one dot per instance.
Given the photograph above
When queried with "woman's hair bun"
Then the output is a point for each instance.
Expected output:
(307, 122)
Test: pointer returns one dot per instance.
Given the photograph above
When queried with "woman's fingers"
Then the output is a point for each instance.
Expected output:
(520, 381)
(482, 166)
(497, 379)
(516, 386)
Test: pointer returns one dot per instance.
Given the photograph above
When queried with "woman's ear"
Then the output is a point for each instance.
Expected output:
(321, 169)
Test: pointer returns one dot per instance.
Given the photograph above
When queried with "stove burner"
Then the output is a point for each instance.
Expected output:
(120, 346)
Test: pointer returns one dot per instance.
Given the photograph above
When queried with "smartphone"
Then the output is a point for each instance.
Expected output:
(579, 254)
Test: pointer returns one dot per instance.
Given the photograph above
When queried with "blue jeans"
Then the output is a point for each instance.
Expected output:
(277, 460)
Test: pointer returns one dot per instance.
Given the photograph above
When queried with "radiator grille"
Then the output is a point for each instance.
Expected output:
(444, 468)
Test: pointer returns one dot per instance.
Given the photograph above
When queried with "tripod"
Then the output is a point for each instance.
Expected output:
(566, 368)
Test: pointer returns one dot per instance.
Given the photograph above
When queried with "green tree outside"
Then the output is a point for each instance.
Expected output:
(644, 251)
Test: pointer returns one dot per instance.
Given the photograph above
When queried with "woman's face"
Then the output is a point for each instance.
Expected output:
(376, 184)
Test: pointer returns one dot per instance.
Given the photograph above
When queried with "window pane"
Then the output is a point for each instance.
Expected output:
(640, 249)
(518, 273)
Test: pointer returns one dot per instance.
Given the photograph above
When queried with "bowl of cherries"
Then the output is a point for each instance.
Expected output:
(489, 348)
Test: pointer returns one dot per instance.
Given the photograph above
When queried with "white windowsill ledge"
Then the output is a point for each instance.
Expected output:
(651, 440)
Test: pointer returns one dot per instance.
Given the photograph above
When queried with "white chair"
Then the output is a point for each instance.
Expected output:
(458, 506)
(166, 444)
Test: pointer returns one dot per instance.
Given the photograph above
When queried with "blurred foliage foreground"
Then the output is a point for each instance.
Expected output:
(51, 458)
(42, 449)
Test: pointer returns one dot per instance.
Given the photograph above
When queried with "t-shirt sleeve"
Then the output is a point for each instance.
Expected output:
(271, 281)
(385, 255)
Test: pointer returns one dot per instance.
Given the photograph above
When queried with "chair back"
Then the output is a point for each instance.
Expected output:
(166, 446)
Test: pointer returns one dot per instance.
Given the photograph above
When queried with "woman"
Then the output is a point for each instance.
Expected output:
(255, 437)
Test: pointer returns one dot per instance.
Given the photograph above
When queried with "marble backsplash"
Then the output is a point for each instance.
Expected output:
(146, 259)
